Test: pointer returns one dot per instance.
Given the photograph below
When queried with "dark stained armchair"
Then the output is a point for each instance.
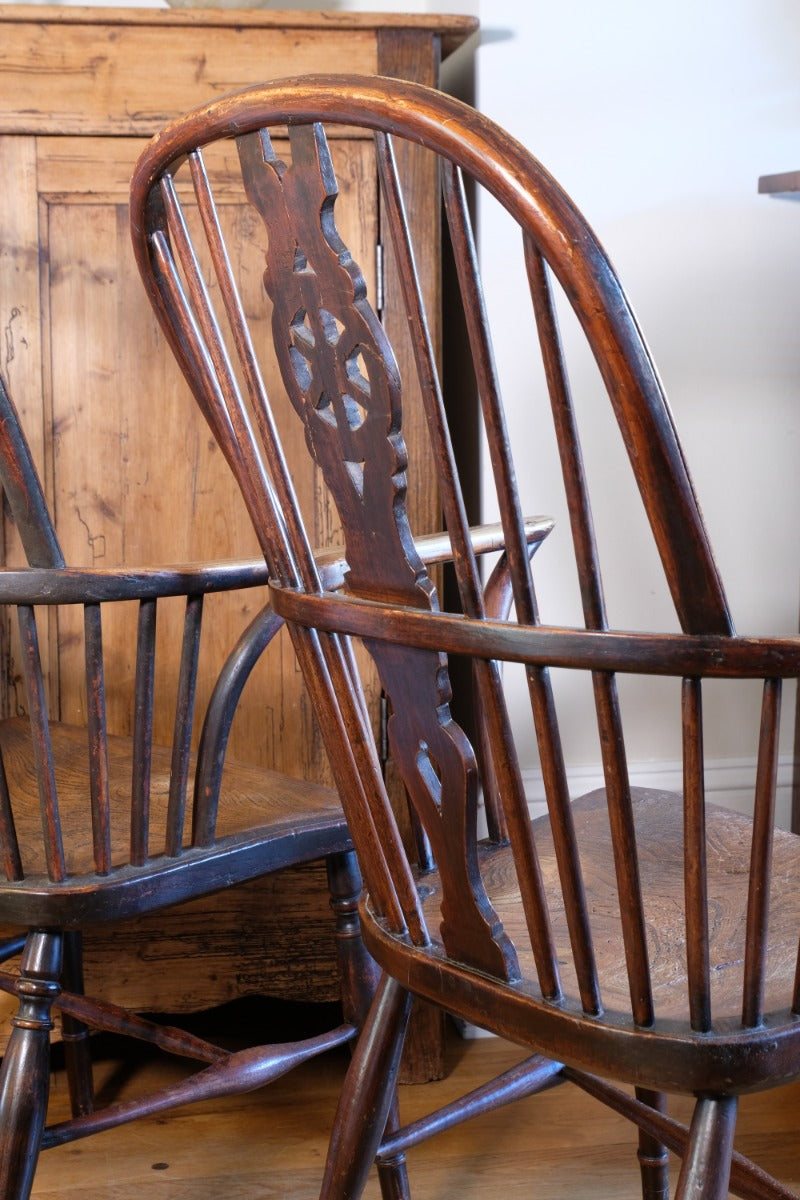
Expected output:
(631, 936)
(96, 827)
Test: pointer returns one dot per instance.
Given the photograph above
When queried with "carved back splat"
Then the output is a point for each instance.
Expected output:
(342, 379)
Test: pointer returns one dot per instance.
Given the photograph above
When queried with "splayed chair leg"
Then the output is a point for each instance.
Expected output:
(706, 1166)
(359, 974)
(25, 1076)
(368, 1095)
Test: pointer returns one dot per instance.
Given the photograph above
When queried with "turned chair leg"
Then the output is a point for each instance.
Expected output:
(705, 1170)
(75, 1034)
(358, 971)
(393, 1172)
(25, 1075)
(653, 1156)
(359, 976)
(369, 1092)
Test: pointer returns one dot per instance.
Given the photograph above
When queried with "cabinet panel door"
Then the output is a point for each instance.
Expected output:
(133, 475)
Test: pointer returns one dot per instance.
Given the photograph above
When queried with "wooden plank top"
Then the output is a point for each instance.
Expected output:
(124, 72)
(453, 29)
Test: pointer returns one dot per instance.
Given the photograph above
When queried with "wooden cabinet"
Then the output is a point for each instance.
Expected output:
(129, 469)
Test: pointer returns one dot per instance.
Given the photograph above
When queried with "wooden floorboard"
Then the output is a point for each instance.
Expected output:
(271, 1145)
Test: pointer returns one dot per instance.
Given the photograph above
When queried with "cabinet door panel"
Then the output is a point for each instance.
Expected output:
(136, 477)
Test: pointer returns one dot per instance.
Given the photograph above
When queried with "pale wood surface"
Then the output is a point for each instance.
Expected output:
(452, 27)
(83, 358)
(120, 445)
(557, 1146)
(133, 82)
(101, 71)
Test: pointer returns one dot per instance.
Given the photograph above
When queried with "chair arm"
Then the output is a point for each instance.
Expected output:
(436, 548)
(678, 654)
(498, 592)
(87, 585)
(485, 539)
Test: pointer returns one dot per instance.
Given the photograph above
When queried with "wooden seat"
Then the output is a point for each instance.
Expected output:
(260, 820)
(94, 827)
(632, 936)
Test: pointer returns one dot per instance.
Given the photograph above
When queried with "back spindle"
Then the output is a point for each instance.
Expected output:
(143, 730)
(184, 717)
(42, 746)
(695, 868)
(98, 737)
(9, 844)
(761, 855)
(490, 700)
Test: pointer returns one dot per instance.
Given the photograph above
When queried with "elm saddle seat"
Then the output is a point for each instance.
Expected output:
(632, 937)
(93, 827)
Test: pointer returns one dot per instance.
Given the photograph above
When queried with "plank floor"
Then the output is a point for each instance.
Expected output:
(271, 1145)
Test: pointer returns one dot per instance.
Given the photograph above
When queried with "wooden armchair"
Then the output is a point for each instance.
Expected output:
(629, 937)
(94, 828)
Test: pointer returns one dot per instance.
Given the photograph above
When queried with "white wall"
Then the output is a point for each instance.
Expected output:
(658, 120)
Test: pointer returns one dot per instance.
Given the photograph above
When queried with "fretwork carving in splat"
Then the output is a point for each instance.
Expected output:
(342, 379)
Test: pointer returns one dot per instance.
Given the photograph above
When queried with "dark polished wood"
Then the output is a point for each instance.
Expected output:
(630, 936)
(95, 827)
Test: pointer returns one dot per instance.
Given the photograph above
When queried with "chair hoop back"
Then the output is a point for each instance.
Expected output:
(335, 371)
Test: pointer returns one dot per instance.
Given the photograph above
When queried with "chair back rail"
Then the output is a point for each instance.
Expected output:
(338, 373)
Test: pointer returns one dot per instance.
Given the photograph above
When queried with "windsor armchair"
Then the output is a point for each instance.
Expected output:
(628, 937)
(93, 827)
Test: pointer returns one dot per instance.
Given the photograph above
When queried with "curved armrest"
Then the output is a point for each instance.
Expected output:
(436, 548)
(678, 654)
(90, 585)
(498, 592)
(87, 585)
(486, 539)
